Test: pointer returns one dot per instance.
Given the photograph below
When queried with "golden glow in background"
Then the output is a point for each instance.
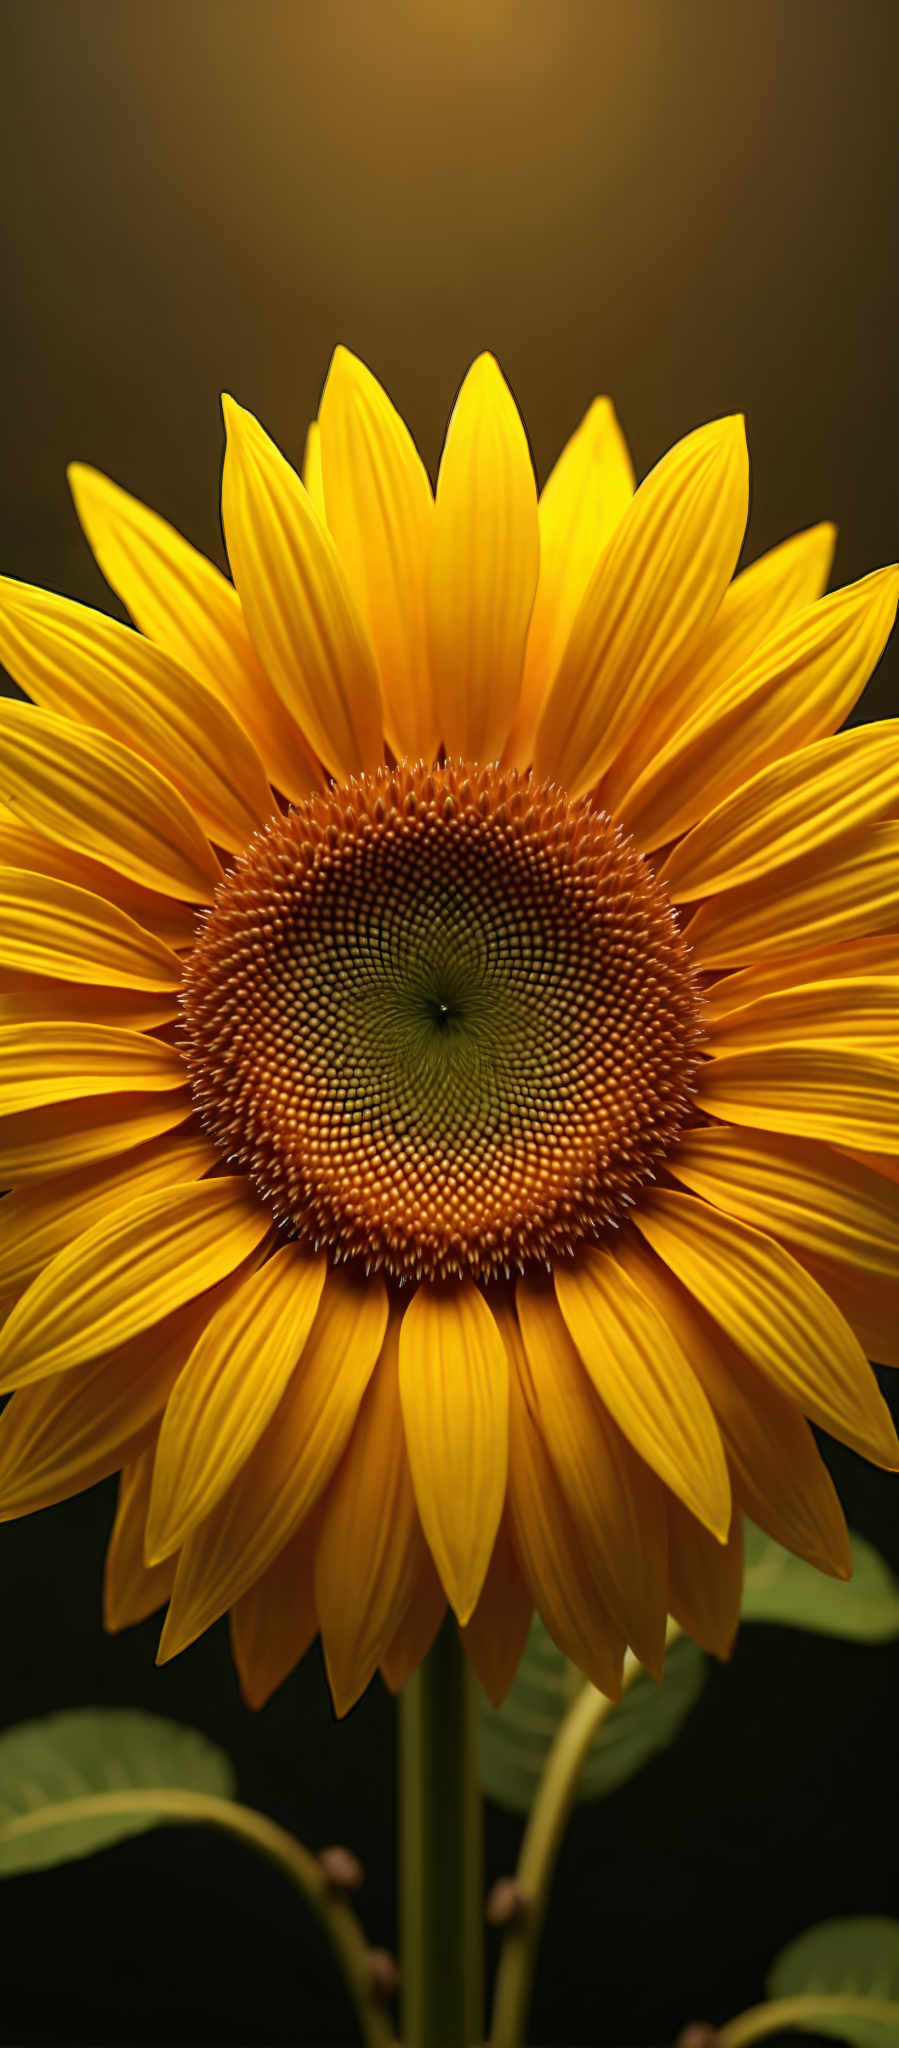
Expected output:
(685, 203)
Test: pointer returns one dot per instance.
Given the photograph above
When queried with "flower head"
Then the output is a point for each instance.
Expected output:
(448, 1027)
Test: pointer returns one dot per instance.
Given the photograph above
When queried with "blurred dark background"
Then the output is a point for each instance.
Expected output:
(690, 206)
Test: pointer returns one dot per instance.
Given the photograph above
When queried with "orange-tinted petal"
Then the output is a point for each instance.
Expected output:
(640, 1372)
(705, 1579)
(40, 1218)
(779, 583)
(777, 1314)
(804, 1192)
(797, 686)
(861, 1012)
(44, 1063)
(795, 806)
(191, 611)
(417, 1629)
(297, 602)
(67, 1135)
(131, 1590)
(71, 784)
(380, 510)
(228, 1391)
(103, 675)
(274, 1621)
(613, 1498)
(563, 1589)
(583, 500)
(127, 1272)
(483, 568)
(454, 1388)
(47, 927)
(369, 1552)
(810, 1089)
(777, 1472)
(849, 893)
(289, 1467)
(172, 922)
(876, 956)
(495, 1636)
(655, 587)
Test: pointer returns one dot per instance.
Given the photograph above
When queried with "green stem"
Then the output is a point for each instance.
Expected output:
(802, 2011)
(539, 1850)
(303, 1871)
(441, 1854)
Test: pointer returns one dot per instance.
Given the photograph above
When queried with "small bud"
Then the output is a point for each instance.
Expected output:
(505, 1902)
(342, 1869)
(383, 1972)
(698, 2034)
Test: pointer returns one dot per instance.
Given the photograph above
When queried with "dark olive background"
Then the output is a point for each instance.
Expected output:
(685, 204)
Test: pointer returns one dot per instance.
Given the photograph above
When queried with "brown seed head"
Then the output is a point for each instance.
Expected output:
(445, 1020)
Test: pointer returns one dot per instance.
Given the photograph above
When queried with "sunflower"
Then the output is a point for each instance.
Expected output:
(449, 998)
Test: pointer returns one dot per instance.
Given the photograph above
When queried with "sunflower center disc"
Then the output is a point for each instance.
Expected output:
(444, 1019)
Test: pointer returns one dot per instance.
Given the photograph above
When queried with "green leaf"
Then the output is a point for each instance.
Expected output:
(780, 1587)
(516, 1739)
(49, 1768)
(840, 1963)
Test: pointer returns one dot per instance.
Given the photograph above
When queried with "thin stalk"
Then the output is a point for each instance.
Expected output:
(441, 1853)
(298, 1865)
(539, 1851)
(802, 2011)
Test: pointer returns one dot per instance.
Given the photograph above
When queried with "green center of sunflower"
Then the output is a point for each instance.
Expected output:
(444, 1019)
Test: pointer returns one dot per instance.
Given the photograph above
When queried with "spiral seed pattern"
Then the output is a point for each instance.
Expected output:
(445, 1020)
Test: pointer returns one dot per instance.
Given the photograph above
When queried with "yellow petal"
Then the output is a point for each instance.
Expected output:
(454, 1387)
(776, 1313)
(862, 1012)
(777, 1472)
(274, 1621)
(172, 922)
(705, 1579)
(797, 686)
(127, 1272)
(808, 1090)
(809, 1194)
(67, 1432)
(297, 602)
(77, 786)
(656, 586)
(369, 1553)
(38, 1220)
(875, 956)
(67, 1135)
(620, 1515)
(37, 999)
(380, 510)
(564, 1591)
(48, 927)
(787, 577)
(130, 1590)
(794, 807)
(495, 1636)
(311, 470)
(583, 500)
(228, 1391)
(850, 892)
(869, 1302)
(181, 601)
(92, 669)
(484, 559)
(640, 1372)
(417, 1630)
(43, 1063)
(289, 1467)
